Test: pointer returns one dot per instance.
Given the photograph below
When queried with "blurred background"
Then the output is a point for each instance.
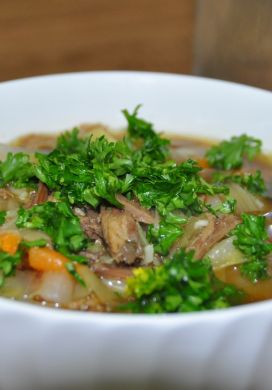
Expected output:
(227, 39)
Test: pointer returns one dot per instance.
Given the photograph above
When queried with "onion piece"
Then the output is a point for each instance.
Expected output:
(8, 200)
(116, 285)
(20, 285)
(148, 254)
(10, 223)
(56, 287)
(142, 234)
(33, 235)
(246, 201)
(21, 194)
(96, 286)
(224, 254)
(26, 234)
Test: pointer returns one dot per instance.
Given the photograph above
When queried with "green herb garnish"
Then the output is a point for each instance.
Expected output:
(8, 264)
(17, 170)
(165, 234)
(3, 215)
(251, 238)
(58, 221)
(230, 154)
(141, 131)
(254, 182)
(181, 284)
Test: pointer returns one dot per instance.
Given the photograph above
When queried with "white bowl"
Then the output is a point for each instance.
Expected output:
(43, 348)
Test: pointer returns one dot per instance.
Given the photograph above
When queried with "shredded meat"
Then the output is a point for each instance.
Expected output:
(207, 174)
(37, 142)
(112, 272)
(121, 235)
(90, 222)
(38, 197)
(136, 210)
(41, 195)
(96, 130)
(6, 194)
(216, 230)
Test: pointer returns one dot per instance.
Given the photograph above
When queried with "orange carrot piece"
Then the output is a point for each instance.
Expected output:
(9, 242)
(203, 163)
(46, 259)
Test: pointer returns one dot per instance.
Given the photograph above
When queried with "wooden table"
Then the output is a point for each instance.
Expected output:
(39, 37)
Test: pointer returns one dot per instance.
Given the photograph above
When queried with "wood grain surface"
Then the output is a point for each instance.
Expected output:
(39, 37)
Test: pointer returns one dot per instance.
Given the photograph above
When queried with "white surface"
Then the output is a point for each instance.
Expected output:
(51, 349)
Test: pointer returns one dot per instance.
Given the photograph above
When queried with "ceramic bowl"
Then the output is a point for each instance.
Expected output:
(45, 348)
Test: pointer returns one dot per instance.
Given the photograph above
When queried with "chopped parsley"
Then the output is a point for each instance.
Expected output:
(88, 178)
(17, 170)
(58, 221)
(35, 243)
(171, 186)
(230, 154)
(8, 264)
(251, 238)
(91, 172)
(181, 284)
(166, 233)
(150, 142)
(254, 182)
(70, 143)
(3, 215)
(227, 206)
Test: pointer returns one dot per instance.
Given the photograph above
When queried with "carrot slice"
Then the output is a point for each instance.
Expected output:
(9, 242)
(203, 163)
(46, 259)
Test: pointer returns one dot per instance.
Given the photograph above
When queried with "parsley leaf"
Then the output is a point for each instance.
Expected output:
(58, 221)
(229, 154)
(181, 284)
(17, 170)
(252, 240)
(69, 142)
(172, 186)
(3, 215)
(91, 178)
(225, 207)
(8, 264)
(165, 234)
(152, 144)
(71, 268)
(253, 182)
(35, 243)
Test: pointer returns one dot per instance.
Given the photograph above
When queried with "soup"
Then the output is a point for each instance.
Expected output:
(97, 221)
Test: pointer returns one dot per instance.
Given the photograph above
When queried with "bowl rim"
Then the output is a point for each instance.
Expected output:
(130, 73)
(45, 312)
(48, 313)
